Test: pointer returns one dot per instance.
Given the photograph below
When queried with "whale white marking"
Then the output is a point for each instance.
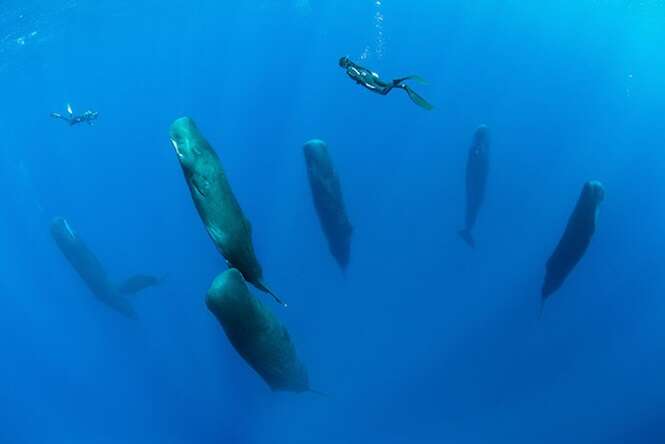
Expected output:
(69, 229)
(175, 146)
(69, 109)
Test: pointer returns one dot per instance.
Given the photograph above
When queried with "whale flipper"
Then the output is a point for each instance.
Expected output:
(137, 283)
(263, 287)
(542, 307)
(468, 238)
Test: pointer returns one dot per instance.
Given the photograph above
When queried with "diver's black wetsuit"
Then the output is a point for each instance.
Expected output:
(373, 82)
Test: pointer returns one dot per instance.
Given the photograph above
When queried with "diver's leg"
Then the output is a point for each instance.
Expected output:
(414, 78)
(386, 89)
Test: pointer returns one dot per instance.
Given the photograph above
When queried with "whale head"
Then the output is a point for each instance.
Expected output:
(594, 191)
(198, 160)
(315, 150)
(481, 136)
(184, 136)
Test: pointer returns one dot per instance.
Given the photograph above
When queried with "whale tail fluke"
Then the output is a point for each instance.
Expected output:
(465, 234)
(137, 283)
(319, 393)
(263, 287)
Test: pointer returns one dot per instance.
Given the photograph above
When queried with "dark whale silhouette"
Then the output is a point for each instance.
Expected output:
(88, 266)
(477, 168)
(328, 200)
(575, 240)
(215, 202)
(256, 334)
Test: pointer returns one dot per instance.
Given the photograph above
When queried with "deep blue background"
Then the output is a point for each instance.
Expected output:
(421, 340)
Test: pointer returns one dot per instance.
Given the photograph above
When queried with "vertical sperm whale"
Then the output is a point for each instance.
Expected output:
(575, 240)
(328, 200)
(215, 202)
(91, 270)
(477, 168)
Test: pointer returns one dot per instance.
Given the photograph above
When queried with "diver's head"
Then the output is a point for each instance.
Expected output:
(344, 62)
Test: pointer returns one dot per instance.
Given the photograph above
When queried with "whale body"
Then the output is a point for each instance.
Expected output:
(91, 270)
(576, 238)
(328, 200)
(256, 334)
(477, 169)
(217, 206)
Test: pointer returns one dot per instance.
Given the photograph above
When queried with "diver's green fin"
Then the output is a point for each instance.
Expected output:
(417, 99)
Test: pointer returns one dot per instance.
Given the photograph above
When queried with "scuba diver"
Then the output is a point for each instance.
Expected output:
(373, 82)
(88, 117)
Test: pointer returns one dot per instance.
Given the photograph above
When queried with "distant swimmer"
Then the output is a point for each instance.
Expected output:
(373, 82)
(88, 117)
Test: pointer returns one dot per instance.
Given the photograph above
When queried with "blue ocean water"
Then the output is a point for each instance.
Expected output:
(421, 339)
